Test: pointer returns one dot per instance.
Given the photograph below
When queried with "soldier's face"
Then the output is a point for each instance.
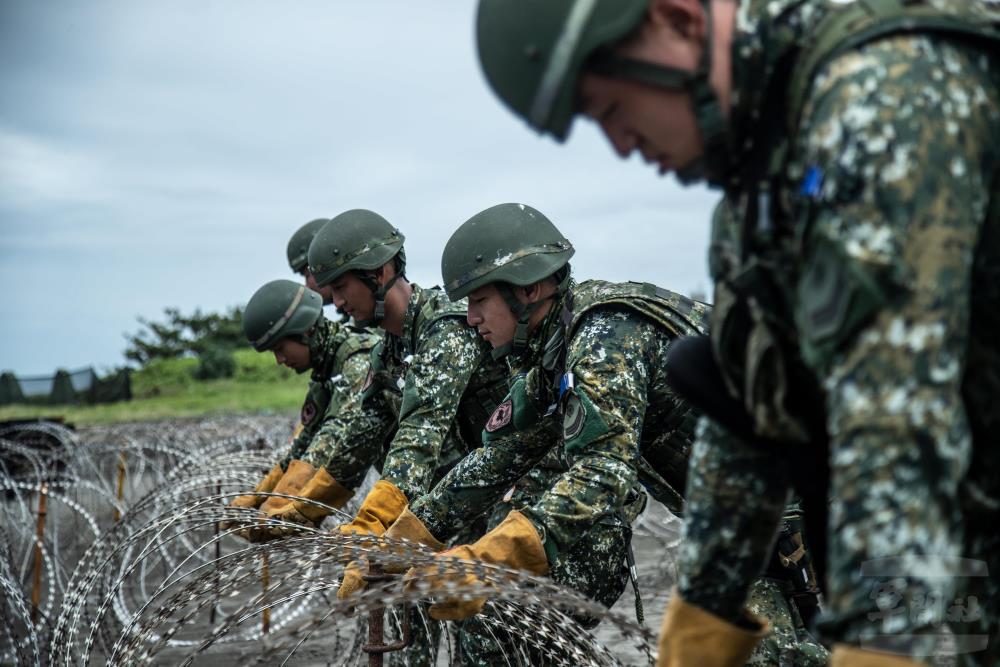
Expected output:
(322, 291)
(292, 354)
(657, 123)
(491, 316)
(352, 296)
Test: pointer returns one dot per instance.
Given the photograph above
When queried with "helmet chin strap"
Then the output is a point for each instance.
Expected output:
(379, 292)
(714, 164)
(523, 313)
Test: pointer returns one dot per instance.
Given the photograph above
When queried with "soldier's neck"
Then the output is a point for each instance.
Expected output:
(397, 300)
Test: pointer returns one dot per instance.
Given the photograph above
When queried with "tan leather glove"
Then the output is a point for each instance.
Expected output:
(297, 474)
(322, 488)
(406, 527)
(265, 485)
(690, 635)
(515, 543)
(381, 507)
(848, 656)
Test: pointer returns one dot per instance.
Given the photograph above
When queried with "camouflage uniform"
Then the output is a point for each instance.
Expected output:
(338, 355)
(856, 304)
(428, 391)
(578, 472)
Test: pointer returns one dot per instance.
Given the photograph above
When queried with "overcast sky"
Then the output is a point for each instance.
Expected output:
(160, 154)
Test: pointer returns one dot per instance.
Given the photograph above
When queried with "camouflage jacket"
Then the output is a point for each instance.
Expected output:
(339, 359)
(588, 411)
(854, 295)
(424, 400)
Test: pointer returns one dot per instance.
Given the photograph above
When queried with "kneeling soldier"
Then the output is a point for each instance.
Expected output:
(286, 318)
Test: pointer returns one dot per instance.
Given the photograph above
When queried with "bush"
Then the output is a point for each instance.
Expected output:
(215, 362)
(163, 376)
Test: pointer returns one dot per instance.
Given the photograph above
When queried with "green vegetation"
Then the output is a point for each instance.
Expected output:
(167, 388)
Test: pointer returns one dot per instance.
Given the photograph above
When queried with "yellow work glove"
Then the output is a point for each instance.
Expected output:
(265, 485)
(296, 475)
(250, 500)
(406, 527)
(380, 508)
(321, 488)
(690, 635)
(514, 543)
(848, 656)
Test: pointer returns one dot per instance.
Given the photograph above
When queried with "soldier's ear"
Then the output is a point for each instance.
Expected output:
(687, 18)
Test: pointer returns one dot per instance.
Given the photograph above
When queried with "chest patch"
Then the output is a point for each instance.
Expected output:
(500, 417)
(308, 412)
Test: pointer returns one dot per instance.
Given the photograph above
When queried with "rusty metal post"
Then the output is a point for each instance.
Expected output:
(376, 647)
(265, 577)
(36, 584)
(121, 483)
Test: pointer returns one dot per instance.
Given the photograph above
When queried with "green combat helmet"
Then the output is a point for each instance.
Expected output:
(507, 244)
(357, 240)
(533, 54)
(279, 309)
(298, 245)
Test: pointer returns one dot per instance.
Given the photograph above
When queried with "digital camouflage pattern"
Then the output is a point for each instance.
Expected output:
(582, 485)
(425, 398)
(338, 355)
(862, 271)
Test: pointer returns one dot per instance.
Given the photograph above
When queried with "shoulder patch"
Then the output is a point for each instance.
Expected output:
(574, 418)
(500, 417)
(308, 412)
(582, 422)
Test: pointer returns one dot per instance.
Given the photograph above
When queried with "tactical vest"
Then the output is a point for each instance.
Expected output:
(755, 339)
(662, 467)
(487, 385)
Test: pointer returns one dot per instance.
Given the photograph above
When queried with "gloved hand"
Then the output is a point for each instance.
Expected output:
(381, 507)
(265, 485)
(515, 543)
(322, 488)
(291, 483)
(250, 500)
(406, 527)
(849, 656)
(690, 635)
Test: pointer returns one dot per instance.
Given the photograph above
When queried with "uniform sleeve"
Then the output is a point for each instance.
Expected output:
(610, 357)
(444, 361)
(900, 147)
(353, 432)
(310, 417)
(481, 479)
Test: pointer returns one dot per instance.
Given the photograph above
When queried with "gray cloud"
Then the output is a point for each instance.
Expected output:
(160, 154)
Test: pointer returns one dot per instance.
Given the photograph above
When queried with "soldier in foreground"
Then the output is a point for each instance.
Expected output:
(589, 421)
(858, 144)
(286, 319)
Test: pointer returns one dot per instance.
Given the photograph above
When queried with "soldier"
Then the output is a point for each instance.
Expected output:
(589, 421)
(286, 318)
(858, 144)
(430, 373)
(298, 255)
